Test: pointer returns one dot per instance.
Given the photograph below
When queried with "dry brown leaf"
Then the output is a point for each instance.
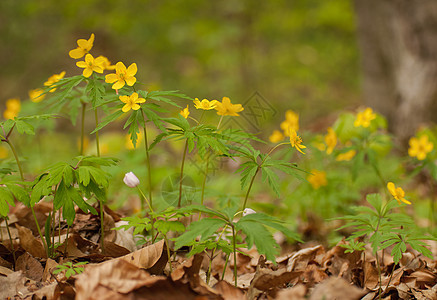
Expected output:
(228, 291)
(5, 271)
(300, 259)
(31, 267)
(147, 257)
(124, 237)
(30, 243)
(424, 277)
(114, 250)
(297, 292)
(48, 270)
(370, 275)
(116, 276)
(336, 288)
(46, 293)
(13, 285)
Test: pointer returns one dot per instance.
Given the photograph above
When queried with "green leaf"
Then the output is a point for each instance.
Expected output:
(95, 90)
(19, 192)
(257, 234)
(109, 119)
(164, 226)
(24, 127)
(203, 228)
(6, 199)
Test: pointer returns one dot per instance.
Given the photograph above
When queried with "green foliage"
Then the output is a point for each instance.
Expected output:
(382, 227)
(70, 268)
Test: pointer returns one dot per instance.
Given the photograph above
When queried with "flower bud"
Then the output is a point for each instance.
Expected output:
(248, 211)
(131, 180)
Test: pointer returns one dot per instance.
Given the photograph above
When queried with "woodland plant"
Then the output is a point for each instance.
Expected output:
(113, 93)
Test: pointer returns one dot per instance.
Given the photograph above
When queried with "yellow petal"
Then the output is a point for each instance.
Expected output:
(140, 100)
(118, 85)
(124, 99)
(126, 108)
(111, 78)
(81, 64)
(76, 53)
(391, 188)
(132, 70)
(120, 68)
(87, 72)
(130, 81)
(134, 97)
(135, 106)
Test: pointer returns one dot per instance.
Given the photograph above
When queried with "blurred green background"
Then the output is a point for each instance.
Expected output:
(299, 54)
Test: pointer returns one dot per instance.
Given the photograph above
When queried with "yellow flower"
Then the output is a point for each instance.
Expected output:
(205, 104)
(397, 192)
(346, 156)
(36, 95)
(296, 141)
(226, 108)
(83, 47)
(317, 179)
(420, 147)
(13, 107)
(291, 122)
(276, 136)
(330, 140)
(105, 63)
(131, 102)
(185, 112)
(90, 64)
(53, 79)
(364, 118)
(129, 144)
(122, 75)
(3, 152)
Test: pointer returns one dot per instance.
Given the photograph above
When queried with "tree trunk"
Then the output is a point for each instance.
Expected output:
(398, 43)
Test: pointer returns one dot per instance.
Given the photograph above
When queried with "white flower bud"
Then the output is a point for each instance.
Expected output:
(248, 211)
(131, 180)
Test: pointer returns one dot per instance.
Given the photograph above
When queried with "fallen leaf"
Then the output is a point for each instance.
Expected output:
(13, 285)
(297, 292)
(228, 291)
(300, 259)
(147, 257)
(48, 270)
(30, 243)
(30, 267)
(336, 288)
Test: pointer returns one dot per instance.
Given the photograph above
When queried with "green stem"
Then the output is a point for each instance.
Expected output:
(250, 187)
(10, 239)
(391, 275)
(234, 246)
(149, 169)
(151, 210)
(16, 158)
(31, 207)
(220, 122)
(168, 253)
(102, 229)
(97, 132)
(203, 185)
(82, 130)
(66, 241)
(380, 277)
(224, 268)
(182, 173)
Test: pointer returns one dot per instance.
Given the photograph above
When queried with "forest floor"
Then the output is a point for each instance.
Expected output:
(303, 271)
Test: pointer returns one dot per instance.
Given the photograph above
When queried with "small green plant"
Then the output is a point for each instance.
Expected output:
(70, 268)
(381, 226)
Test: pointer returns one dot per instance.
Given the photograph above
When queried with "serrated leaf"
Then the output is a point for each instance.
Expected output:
(203, 228)
(6, 199)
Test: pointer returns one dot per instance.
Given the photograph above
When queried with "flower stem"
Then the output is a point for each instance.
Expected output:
(97, 132)
(102, 229)
(149, 169)
(10, 239)
(250, 187)
(234, 246)
(151, 210)
(82, 130)
(220, 122)
(16, 158)
(182, 173)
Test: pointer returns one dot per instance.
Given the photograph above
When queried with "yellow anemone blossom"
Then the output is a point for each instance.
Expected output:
(13, 107)
(53, 79)
(226, 108)
(420, 147)
(131, 102)
(397, 192)
(105, 63)
(330, 140)
(205, 104)
(36, 95)
(90, 64)
(185, 112)
(364, 118)
(276, 136)
(317, 179)
(83, 47)
(296, 141)
(291, 122)
(122, 75)
(346, 156)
